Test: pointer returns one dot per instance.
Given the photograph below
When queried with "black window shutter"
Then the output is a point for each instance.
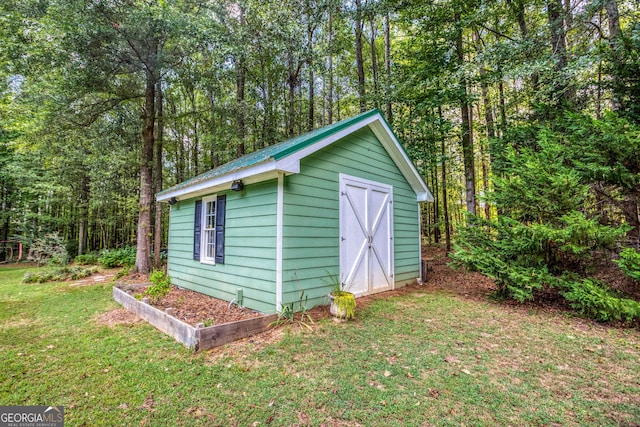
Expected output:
(221, 207)
(197, 225)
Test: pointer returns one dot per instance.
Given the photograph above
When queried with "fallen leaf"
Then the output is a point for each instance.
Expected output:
(51, 346)
(409, 375)
(387, 373)
(466, 371)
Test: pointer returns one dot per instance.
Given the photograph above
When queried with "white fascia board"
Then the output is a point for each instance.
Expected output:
(382, 131)
(298, 155)
(400, 158)
(260, 172)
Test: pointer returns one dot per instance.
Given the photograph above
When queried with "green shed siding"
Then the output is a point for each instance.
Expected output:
(311, 216)
(250, 256)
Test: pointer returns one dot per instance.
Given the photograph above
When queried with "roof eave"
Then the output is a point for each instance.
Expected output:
(250, 175)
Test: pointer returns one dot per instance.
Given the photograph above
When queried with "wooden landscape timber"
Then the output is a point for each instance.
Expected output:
(193, 337)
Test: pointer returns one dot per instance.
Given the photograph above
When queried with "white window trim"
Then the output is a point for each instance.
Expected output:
(203, 233)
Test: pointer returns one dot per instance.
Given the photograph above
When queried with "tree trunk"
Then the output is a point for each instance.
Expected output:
(615, 34)
(374, 63)
(157, 231)
(83, 205)
(310, 29)
(213, 150)
(466, 135)
(630, 210)
(241, 75)
(387, 66)
(518, 9)
(330, 77)
(291, 82)
(143, 237)
(443, 184)
(359, 58)
(491, 132)
(195, 148)
(564, 86)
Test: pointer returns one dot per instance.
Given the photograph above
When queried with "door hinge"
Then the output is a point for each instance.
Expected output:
(342, 239)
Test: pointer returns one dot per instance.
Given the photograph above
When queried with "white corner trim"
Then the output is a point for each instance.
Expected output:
(279, 233)
(420, 278)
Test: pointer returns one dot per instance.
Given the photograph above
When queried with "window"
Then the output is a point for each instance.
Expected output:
(208, 230)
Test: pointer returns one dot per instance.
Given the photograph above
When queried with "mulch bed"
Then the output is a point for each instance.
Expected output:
(193, 307)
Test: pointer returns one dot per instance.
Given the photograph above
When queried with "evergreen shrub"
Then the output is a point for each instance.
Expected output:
(122, 257)
(629, 262)
(547, 233)
(86, 259)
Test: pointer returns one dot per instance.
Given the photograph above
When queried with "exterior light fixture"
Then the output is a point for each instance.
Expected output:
(173, 201)
(237, 185)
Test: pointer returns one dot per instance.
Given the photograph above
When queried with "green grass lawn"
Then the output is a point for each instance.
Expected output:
(418, 359)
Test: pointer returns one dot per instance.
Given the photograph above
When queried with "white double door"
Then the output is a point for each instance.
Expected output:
(366, 235)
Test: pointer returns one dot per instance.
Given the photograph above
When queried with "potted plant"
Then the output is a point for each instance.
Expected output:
(343, 302)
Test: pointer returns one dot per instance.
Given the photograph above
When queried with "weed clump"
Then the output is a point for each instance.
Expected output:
(58, 274)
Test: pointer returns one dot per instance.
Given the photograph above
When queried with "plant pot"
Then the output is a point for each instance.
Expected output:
(343, 305)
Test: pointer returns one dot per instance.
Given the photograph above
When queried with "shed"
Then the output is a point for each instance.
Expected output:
(272, 228)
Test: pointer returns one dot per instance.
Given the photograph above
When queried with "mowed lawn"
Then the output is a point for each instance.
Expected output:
(424, 358)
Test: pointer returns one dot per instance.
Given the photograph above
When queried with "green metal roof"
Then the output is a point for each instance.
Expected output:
(275, 152)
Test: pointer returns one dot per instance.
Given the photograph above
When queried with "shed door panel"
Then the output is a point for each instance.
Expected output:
(366, 239)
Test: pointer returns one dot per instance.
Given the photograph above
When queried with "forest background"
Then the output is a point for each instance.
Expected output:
(522, 116)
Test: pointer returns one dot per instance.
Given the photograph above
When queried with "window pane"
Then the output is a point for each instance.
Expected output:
(209, 231)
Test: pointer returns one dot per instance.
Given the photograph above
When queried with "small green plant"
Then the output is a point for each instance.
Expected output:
(629, 263)
(160, 285)
(344, 301)
(86, 259)
(288, 313)
(122, 257)
(124, 271)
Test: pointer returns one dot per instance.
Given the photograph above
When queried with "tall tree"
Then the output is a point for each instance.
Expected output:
(359, 26)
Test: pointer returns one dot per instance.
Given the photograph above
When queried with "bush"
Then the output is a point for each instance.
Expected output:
(598, 301)
(86, 259)
(123, 257)
(629, 263)
(49, 249)
(58, 275)
(160, 285)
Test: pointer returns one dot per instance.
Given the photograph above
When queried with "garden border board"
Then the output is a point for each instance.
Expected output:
(192, 337)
